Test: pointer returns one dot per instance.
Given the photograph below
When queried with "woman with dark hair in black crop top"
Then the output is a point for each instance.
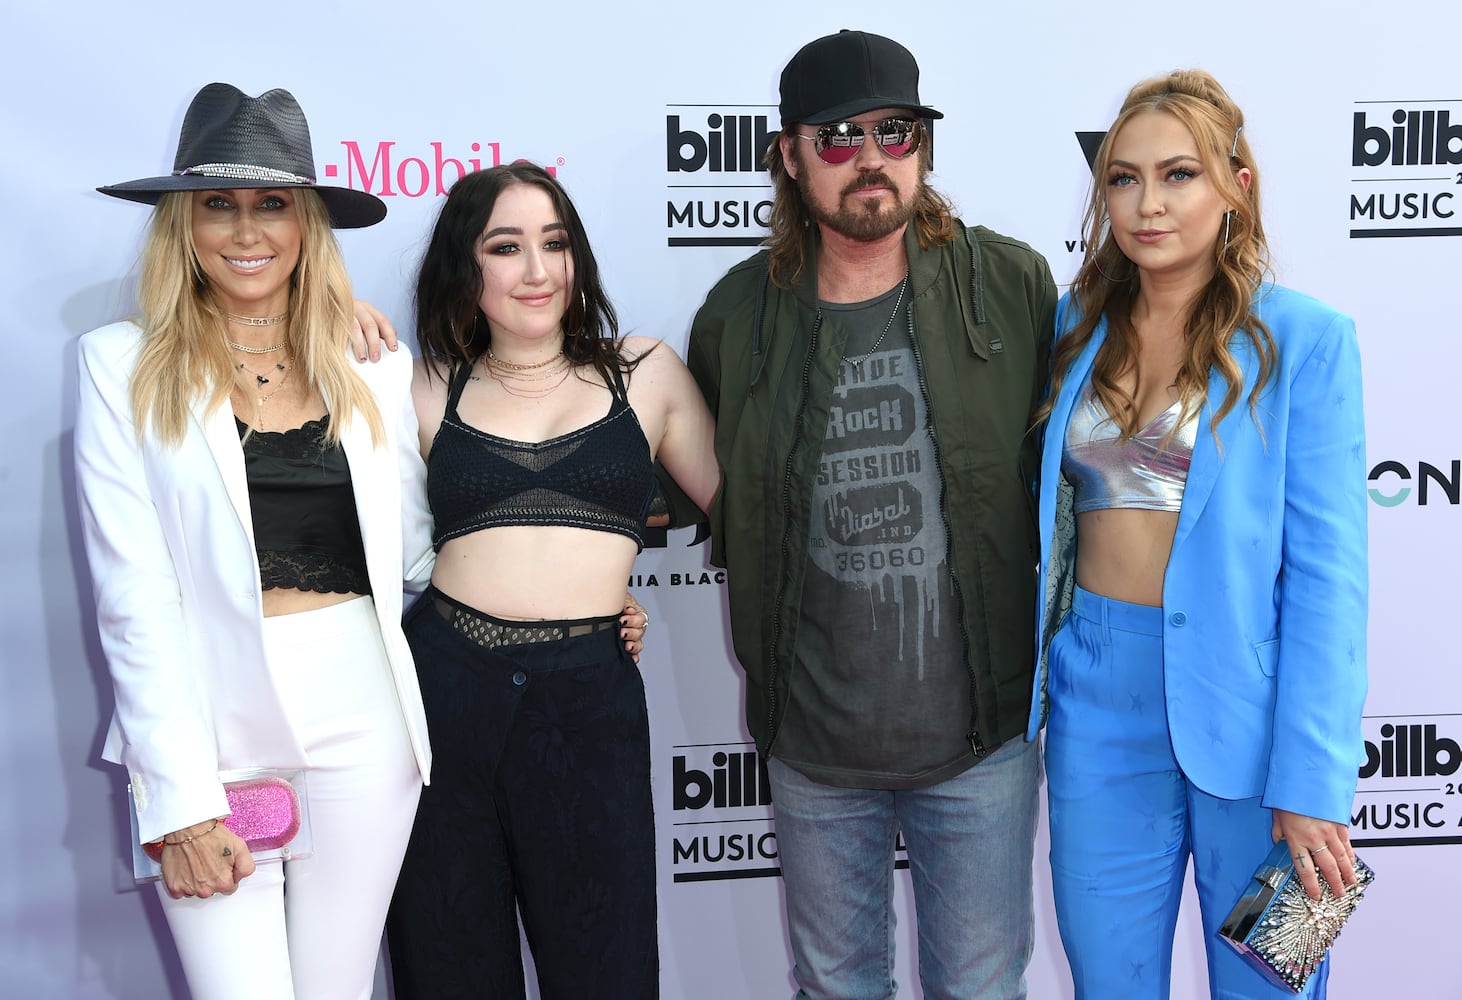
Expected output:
(540, 428)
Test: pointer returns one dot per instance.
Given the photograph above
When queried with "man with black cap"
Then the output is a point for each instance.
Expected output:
(873, 372)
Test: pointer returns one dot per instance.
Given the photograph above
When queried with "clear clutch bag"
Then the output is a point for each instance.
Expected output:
(268, 810)
(1282, 931)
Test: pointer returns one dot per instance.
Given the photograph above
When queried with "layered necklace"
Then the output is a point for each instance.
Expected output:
(530, 381)
(277, 375)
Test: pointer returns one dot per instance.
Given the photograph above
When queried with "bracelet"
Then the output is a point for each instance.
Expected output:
(188, 840)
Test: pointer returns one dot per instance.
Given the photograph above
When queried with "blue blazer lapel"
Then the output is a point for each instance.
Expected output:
(1207, 463)
(1071, 388)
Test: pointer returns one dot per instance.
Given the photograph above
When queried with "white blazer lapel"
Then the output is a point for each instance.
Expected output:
(222, 436)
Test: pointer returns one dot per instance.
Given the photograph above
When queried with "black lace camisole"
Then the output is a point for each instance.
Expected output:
(306, 529)
(599, 476)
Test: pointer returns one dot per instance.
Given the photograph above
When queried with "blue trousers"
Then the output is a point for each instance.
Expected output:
(1125, 820)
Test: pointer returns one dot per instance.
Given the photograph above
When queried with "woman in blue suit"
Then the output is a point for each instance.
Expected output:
(1203, 524)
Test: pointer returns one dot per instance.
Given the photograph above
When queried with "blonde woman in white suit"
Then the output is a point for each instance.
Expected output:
(252, 501)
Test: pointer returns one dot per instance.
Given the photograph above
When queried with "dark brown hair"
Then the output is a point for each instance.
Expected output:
(450, 325)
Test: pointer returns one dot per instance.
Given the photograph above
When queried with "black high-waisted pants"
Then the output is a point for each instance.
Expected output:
(539, 802)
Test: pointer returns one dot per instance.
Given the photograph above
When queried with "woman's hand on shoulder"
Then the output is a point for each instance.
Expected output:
(1319, 848)
(204, 859)
(372, 329)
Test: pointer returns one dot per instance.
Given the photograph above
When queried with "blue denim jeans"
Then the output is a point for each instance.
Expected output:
(970, 842)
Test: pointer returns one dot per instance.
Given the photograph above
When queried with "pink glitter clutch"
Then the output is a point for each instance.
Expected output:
(267, 810)
(263, 811)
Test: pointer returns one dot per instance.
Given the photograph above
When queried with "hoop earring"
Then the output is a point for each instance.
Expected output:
(1096, 262)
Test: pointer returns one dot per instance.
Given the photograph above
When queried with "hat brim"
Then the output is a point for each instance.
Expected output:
(848, 109)
(348, 208)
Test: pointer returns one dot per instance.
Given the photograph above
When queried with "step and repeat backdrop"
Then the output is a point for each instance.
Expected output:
(654, 114)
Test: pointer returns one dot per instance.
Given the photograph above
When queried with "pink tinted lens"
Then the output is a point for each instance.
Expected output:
(897, 136)
(838, 142)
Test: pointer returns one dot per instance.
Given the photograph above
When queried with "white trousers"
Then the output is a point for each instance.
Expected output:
(310, 929)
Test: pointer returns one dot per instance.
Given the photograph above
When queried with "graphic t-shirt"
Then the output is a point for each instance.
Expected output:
(880, 694)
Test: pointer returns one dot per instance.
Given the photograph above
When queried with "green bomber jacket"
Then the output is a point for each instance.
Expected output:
(766, 358)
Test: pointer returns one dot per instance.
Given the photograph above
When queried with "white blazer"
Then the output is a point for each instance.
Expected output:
(170, 540)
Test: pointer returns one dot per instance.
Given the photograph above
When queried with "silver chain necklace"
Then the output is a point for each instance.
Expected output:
(857, 363)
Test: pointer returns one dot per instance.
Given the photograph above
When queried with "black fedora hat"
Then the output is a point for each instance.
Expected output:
(231, 140)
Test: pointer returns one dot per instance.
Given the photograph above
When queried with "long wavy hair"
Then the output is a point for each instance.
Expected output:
(1107, 282)
(450, 325)
(185, 355)
(793, 227)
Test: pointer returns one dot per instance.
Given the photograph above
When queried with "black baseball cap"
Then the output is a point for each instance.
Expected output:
(839, 76)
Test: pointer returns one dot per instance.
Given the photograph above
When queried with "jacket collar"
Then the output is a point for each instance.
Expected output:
(923, 268)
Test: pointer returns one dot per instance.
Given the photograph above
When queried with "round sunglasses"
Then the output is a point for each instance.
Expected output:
(839, 142)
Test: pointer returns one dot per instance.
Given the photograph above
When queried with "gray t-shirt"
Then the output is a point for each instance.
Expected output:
(880, 696)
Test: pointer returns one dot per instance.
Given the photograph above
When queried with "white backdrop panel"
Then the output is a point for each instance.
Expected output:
(96, 93)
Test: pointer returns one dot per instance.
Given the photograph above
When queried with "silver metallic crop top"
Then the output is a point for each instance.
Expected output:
(1107, 472)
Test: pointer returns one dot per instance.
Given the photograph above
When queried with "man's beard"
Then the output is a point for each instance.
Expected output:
(870, 220)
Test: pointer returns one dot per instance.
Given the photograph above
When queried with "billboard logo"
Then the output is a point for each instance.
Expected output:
(721, 798)
(1409, 792)
(730, 144)
(1408, 164)
(717, 190)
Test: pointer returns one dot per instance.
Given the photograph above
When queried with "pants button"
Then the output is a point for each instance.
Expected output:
(520, 678)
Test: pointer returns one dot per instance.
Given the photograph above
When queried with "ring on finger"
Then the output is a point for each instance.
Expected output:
(1316, 850)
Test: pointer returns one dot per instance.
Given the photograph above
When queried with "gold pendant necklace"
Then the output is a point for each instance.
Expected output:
(260, 382)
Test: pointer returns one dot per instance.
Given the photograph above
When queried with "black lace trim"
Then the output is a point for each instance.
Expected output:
(305, 441)
(311, 571)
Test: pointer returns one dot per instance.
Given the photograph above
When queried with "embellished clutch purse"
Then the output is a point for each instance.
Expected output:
(1282, 931)
(268, 810)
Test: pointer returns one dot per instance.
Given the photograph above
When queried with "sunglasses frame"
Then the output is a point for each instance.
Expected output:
(852, 141)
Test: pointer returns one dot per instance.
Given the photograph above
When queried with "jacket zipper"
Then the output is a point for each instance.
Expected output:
(776, 638)
(977, 745)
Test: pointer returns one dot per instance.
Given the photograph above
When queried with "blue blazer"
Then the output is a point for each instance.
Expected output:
(1264, 598)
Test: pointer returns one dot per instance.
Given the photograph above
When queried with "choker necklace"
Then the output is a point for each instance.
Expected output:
(515, 367)
(857, 363)
(257, 350)
(257, 320)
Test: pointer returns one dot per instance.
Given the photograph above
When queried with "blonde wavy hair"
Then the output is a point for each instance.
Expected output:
(185, 355)
(793, 228)
(1107, 282)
